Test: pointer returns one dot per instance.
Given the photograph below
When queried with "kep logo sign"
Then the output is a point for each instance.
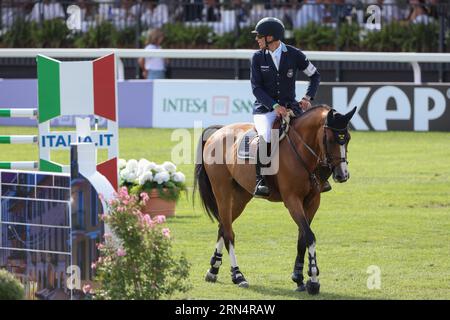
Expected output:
(390, 107)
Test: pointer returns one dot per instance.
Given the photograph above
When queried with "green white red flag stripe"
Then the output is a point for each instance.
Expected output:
(18, 113)
(76, 88)
(22, 139)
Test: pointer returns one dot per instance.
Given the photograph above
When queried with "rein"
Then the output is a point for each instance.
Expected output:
(326, 163)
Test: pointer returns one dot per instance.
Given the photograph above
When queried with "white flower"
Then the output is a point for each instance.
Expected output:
(146, 176)
(132, 176)
(142, 165)
(132, 165)
(124, 174)
(151, 165)
(122, 164)
(169, 166)
(159, 169)
(179, 177)
(161, 177)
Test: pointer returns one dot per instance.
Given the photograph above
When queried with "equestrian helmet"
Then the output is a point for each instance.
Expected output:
(270, 27)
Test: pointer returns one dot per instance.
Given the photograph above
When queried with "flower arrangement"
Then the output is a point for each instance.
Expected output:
(144, 176)
(137, 262)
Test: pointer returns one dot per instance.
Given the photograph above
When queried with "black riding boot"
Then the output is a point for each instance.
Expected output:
(326, 186)
(261, 188)
(324, 172)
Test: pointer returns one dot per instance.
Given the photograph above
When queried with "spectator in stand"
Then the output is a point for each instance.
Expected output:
(151, 13)
(193, 10)
(418, 12)
(310, 11)
(47, 10)
(242, 11)
(153, 68)
(211, 11)
(122, 16)
(390, 11)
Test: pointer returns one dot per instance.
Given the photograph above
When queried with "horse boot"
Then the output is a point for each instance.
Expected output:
(261, 188)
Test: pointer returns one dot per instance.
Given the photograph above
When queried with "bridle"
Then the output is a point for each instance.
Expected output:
(342, 139)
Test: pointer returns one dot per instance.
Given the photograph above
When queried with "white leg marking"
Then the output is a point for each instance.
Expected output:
(233, 260)
(219, 245)
(313, 265)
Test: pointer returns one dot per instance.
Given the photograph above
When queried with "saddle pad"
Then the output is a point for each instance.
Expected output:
(246, 149)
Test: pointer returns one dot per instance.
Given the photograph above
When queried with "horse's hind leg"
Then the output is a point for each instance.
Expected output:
(231, 202)
(216, 259)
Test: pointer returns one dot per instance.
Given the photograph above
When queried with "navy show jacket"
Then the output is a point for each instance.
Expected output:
(271, 86)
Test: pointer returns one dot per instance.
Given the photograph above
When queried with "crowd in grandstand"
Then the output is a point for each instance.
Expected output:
(223, 14)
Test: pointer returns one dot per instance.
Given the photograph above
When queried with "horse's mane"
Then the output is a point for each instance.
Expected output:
(319, 106)
(312, 110)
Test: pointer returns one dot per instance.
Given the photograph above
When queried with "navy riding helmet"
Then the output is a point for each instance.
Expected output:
(270, 27)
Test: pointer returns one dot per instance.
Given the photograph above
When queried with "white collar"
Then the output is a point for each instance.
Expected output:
(277, 51)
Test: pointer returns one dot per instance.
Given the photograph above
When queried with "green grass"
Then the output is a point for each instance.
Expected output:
(394, 213)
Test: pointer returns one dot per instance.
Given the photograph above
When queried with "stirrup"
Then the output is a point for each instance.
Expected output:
(326, 187)
(261, 189)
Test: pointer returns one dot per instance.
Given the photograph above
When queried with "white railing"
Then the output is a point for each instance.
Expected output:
(413, 58)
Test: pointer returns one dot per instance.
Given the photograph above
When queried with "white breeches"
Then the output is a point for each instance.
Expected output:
(264, 123)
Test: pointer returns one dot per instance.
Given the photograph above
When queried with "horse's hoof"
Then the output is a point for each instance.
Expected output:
(312, 287)
(210, 277)
(243, 284)
(301, 288)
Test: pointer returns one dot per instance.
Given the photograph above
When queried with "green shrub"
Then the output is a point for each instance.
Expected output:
(315, 37)
(22, 34)
(10, 287)
(126, 38)
(180, 36)
(348, 38)
(54, 34)
(102, 36)
(398, 36)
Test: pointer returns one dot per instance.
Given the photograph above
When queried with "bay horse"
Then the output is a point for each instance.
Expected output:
(317, 138)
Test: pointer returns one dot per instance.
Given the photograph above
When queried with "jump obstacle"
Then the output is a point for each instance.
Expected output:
(73, 88)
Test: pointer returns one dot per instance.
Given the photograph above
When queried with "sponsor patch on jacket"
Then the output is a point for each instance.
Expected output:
(290, 73)
(265, 68)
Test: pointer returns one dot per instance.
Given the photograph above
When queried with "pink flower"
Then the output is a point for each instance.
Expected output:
(99, 260)
(87, 289)
(160, 219)
(144, 197)
(166, 232)
(148, 221)
(100, 246)
(93, 265)
(103, 217)
(107, 235)
(121, 252)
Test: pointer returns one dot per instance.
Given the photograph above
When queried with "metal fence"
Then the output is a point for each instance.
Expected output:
(227, 15)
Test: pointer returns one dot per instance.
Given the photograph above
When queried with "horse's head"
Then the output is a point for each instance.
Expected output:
(336, 139)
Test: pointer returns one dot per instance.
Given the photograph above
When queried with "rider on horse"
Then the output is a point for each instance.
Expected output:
(273, 73)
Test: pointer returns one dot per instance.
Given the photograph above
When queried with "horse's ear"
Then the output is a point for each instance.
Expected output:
(330, 117)
(350, 114)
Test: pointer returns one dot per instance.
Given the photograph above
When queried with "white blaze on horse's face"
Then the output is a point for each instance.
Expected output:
(344, 175)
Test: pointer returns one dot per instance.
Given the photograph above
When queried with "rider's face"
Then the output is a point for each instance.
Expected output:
(261, 41)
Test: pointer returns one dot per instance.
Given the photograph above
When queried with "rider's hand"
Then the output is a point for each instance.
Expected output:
(305, 104)
(281, 111)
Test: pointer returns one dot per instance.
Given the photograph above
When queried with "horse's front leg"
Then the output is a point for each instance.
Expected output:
(297, 274)
(295, 207)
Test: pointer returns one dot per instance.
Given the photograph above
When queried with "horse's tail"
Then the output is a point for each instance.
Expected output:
(201, 179)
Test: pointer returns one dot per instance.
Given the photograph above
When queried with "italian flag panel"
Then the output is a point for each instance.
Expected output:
(76, 88)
